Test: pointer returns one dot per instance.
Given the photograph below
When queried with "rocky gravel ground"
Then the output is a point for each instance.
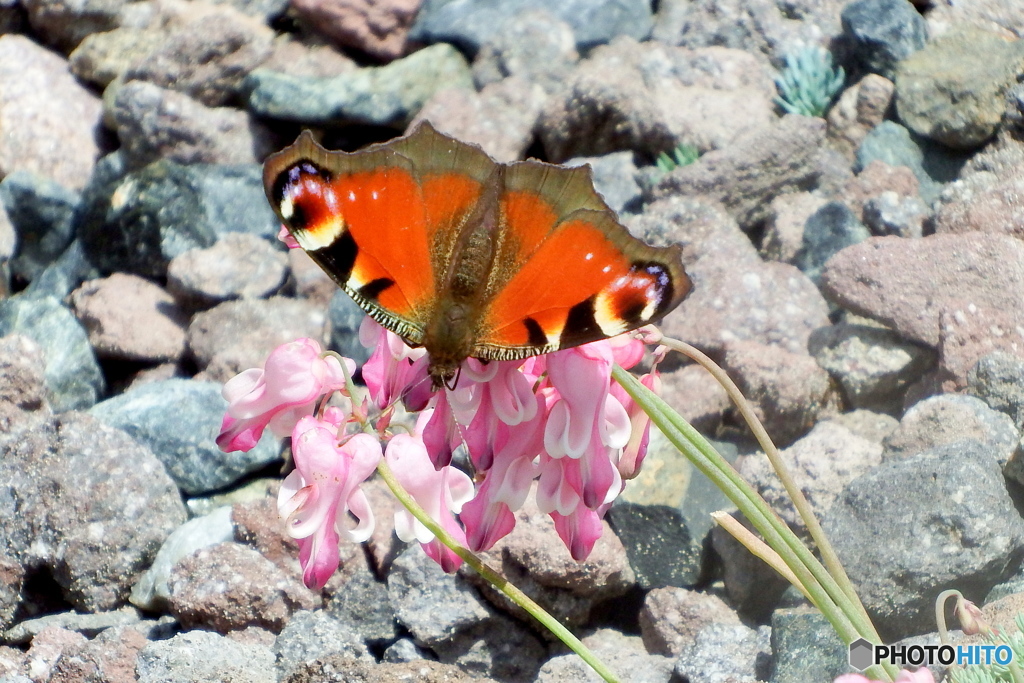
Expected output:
(860, 274)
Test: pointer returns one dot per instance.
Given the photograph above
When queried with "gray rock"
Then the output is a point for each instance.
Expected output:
(730, 652)
(624, 655)
(890, 214)
(179, 419)
(345, 317)
(204, 656)
(138, 222)
(403, 650)
(385, 95)
(805, 647)
(661, 549)
(828, 230)
(614, 177)
(88, 625)
(535, 45)
(238, 266)
(958, 528)
(883, 32)
(73, 377)
(313, 635)
(363, 605)
(954, 90)
(471, 23)
(41, 212)
(873, 365)
(63, 275)
(998, 379)
(151, 591)
(932, 164)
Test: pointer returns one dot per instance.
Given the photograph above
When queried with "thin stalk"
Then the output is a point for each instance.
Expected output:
(803, 508)
(493, 577)
(758, 548)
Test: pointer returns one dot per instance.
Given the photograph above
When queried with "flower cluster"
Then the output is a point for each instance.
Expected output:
(557, 418)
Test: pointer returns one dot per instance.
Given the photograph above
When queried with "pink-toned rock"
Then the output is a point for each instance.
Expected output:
(237, 266)
(788, 390)
(500, 118)
(671, 618)
(130, 318)
(821, 463)
(379, 28)
(536, 560)
(986, 202)
(49, 121)
(859, 109)
(967, 332)
(12, 661)
(22, 372)
(696, 395)
(650, 97)
(238, 335)
(1000, 16)
(109, 657)
(49, 646)
(784, 232)
(875, 179)
(297, 58)
(907, 284)
(228, 587)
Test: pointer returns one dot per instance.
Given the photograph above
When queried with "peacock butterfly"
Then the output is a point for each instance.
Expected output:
(466, 256)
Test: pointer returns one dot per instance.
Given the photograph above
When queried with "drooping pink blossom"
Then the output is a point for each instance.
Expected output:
(286, 389)
(395, 371)
(635, 450)
(317, 497)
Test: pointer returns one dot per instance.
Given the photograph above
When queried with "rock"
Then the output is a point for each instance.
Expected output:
(650, 98)
(345, 317)
(998, 379)
(883, 33)
(154, 123)
(65, 24)
(237, 266)
(139, 222)
(873, 365)
(623, 655)
(990, 15)
(671, 618)
(858, 110)
(536, 560)
(129, 318)
(98, 522)
(310, 636)
(949, 419)
(534, 45)
(41, 212)
(767, 28)
(202, 50)
(237, 335)
(179, 419)
(89, 625)
(41, 102)
(932, 164)
(969, 332)
(380, 29)
(228, 587)
(59, 278)
(787, 390)
(907, 284)
(472, 23)
(103, 57)
(890, 214)
(203, 655)
(821, 463)
(335, 669)
(384, 95)
(757, 167)
(362, 604)
(827, 231)
(696, 396)
(500, 118)
(73, 377)
(874, 180)
(110, 656)
(614, 177)
(722, 652)
(954, 90)
(296, 57)
(988, 200)
(784, 231)
(973, 536)
(806, 647)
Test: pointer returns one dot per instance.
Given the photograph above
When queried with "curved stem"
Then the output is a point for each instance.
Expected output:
(493, 577)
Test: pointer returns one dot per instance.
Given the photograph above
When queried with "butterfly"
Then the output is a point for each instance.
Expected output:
(468, 257)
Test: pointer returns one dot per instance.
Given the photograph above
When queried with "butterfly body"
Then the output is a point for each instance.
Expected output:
(468, 257)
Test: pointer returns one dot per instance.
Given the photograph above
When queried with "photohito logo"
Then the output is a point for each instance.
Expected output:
(864, 654)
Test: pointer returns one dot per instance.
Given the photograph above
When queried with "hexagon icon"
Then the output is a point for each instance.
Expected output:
(861, 654)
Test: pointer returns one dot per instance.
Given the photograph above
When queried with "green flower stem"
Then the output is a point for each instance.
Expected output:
(845, 614)
(493, 577)
(803, 508)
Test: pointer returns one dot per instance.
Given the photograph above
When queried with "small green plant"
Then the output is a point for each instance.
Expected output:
(809, 82)
(682, 155)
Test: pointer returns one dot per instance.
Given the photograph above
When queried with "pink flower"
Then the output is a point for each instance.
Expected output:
(640, 426)
(441, 493)
(284, 236)
(922, 675)
(395, 371)
(316, 498)
(293, 378)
